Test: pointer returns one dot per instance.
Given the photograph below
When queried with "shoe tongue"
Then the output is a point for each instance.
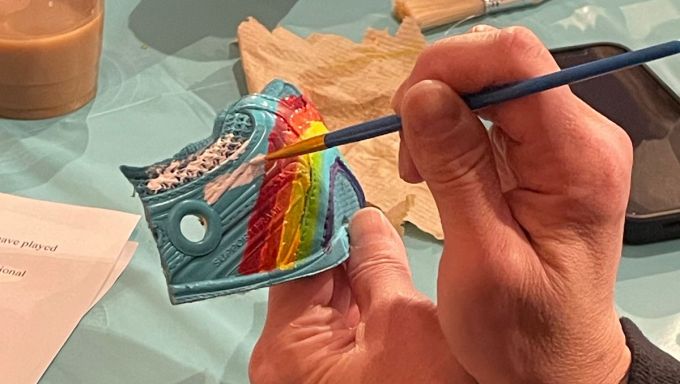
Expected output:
(280, 90)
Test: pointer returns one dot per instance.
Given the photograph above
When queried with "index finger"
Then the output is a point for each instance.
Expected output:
(471, 62)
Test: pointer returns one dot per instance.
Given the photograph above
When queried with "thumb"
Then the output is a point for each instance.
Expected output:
(450, 149)
(378, 269)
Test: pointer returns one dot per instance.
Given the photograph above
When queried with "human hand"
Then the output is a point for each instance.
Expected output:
(532, 214)
(360, 323)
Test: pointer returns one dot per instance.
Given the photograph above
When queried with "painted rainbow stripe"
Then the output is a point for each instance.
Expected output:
(287, 215)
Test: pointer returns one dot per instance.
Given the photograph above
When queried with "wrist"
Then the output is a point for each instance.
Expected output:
(619, 373)
(611, 365)
(581, 359)
(620, 355)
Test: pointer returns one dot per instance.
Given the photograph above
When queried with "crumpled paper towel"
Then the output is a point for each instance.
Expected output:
(350, 83)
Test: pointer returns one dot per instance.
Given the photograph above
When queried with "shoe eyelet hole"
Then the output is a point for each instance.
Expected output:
(193, 227)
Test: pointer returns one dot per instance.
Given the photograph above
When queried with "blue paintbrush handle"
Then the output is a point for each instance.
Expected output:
(389, 124)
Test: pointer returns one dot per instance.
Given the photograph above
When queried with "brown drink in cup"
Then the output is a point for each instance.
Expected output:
(49, 56)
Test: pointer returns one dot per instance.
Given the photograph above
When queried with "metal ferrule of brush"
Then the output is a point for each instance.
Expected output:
(492, 6)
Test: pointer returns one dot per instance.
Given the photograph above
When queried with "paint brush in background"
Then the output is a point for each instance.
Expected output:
(485, 98)
(433, 13)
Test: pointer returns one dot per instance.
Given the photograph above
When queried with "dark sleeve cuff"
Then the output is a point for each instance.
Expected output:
(649, 364)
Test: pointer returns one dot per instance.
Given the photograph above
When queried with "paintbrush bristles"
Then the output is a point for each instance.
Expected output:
(433, 13)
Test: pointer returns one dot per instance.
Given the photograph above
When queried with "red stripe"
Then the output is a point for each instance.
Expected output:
(266, 222)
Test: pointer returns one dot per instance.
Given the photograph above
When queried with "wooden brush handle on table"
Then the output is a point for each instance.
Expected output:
(434, 13)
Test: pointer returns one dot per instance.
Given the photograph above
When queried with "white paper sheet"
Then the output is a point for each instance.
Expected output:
(56, 262)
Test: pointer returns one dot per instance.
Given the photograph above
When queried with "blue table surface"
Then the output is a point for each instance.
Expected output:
(167, 67)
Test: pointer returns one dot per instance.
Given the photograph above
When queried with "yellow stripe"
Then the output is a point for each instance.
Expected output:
(291, 233)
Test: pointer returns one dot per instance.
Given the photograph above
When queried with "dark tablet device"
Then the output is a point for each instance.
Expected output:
(649, 111)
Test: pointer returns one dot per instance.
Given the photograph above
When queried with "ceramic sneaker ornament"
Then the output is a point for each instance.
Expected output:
(265, 222)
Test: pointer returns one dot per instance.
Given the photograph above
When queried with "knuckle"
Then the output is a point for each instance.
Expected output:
(520, 43)
(625, 147)
(436, 57)
(395, 303)
(406, 299)
(382, 261)
(463, 174)
(618, 157)
(518, 36)
(431, 54)
(441, 44)
(611, 170)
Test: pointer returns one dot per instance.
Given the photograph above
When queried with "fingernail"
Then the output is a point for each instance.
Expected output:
(483, 28)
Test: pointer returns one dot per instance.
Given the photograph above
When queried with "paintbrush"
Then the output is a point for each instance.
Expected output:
(487, 97)
(433, 13)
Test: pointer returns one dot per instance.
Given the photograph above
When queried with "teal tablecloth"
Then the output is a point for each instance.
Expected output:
(167, 67)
